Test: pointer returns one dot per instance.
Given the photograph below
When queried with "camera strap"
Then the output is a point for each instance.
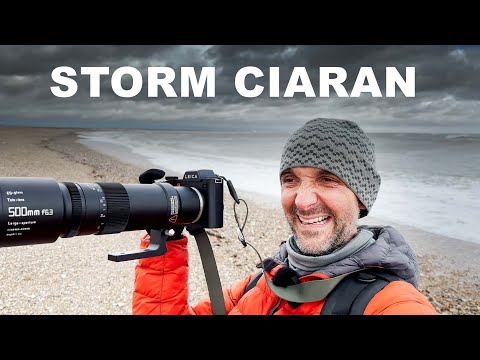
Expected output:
(210, 269)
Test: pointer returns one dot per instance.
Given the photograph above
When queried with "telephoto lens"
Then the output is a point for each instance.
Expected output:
(37, 210)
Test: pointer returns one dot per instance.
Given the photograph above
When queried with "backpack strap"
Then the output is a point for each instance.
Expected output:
(352, 295)
(309, 291)
(253, 282)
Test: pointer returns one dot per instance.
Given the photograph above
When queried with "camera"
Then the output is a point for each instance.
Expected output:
(35, 210)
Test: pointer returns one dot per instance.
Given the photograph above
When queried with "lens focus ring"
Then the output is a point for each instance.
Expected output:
(118, 208)
(77, 209)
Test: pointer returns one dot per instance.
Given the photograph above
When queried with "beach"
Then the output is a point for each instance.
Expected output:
(74, 275)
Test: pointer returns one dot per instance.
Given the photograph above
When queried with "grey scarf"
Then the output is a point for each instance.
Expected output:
(305, 264)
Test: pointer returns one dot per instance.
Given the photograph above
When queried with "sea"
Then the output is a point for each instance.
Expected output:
(429, 181)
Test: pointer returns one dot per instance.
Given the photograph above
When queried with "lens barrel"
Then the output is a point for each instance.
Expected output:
(40, 210)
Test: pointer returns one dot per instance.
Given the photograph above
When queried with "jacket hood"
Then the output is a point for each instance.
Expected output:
(389, 251)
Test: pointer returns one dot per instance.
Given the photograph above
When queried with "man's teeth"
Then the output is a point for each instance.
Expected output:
(319, 220)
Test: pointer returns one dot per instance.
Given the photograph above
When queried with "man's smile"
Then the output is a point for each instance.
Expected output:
(317, 222)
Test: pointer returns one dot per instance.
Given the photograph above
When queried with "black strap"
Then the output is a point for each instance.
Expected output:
(353, 293)
(210, 268)
(253, 282)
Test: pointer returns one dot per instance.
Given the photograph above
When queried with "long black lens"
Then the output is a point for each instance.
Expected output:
(40, 210)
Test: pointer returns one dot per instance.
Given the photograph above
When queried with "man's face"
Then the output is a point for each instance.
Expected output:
(321, 210)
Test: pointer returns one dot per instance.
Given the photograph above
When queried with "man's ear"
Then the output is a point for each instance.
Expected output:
(360, 205)
(363, 209)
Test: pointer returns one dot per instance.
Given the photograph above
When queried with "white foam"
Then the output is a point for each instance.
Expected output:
(447, 205)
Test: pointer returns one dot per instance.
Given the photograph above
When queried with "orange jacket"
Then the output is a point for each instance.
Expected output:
(161, 287)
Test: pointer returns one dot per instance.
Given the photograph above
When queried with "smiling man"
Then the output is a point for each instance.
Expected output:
(329, 265)
(329, 180)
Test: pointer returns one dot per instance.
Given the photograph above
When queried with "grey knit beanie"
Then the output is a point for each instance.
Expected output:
(338, 146)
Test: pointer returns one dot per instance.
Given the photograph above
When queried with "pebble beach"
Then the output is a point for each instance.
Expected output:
(74, 276)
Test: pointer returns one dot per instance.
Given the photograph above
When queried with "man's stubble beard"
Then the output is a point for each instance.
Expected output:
(343, 231)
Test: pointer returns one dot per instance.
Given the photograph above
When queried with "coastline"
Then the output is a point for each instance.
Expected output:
(73, 275)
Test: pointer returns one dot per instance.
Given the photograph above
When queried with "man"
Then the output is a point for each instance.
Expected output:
(328, 180)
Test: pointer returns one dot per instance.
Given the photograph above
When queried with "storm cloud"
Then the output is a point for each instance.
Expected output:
(447, 87)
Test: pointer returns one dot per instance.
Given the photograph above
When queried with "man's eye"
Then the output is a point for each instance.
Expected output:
(288, 180)
(328, 179)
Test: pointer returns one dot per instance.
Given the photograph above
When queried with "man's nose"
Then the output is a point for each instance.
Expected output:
(306, 198)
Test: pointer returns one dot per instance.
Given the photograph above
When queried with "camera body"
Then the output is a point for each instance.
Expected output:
(210, 186)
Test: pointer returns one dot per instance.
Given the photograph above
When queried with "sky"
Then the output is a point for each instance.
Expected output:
(447, 87)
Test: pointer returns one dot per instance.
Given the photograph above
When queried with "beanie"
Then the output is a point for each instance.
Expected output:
(340, 147)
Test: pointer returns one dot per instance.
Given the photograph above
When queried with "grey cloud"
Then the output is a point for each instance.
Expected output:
(41, 59)
(447, 85)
